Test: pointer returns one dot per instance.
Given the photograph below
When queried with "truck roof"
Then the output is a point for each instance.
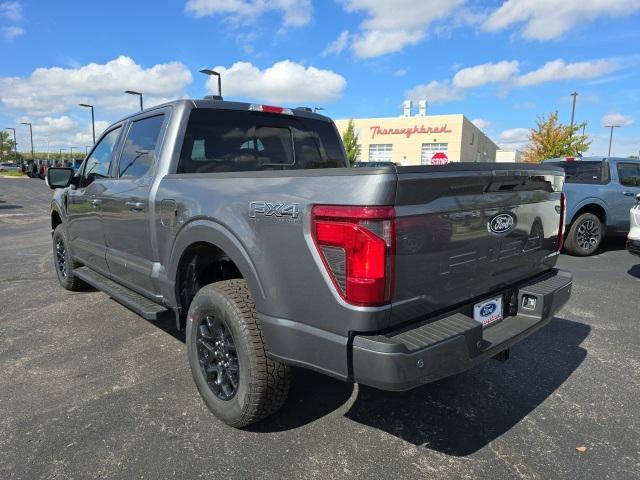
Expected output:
(590, 159)
(304, 112)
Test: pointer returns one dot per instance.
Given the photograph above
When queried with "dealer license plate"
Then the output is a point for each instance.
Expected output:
(488, 312)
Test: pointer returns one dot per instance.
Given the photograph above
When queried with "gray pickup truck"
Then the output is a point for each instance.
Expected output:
(245, 223)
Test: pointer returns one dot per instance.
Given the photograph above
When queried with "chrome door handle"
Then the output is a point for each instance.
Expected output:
(135, 205)
(628, 193)
(95, 202)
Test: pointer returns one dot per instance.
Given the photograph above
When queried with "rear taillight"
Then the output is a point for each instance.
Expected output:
(563, 220)
(357, 247)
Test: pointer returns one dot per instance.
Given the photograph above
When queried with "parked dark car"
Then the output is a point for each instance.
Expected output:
(244, 222)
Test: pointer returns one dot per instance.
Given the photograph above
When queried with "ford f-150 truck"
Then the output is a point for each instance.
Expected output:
(600, 192)
(245, 223)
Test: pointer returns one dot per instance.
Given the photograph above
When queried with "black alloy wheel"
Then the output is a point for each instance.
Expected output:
(61, 257)
(588, 235)
(218, 357)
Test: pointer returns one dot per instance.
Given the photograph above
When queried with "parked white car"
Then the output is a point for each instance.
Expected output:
(633, 240)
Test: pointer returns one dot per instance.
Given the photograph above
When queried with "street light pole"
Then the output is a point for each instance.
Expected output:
(573, 109)
(93, 120)
(210, 72)
(131, 92)
(33, 157)
(15, 142)
(611, 136)
(71, 155)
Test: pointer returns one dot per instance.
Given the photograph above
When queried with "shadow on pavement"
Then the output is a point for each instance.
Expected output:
(611, 243)
(456, 416)
(634, 271)
(461, 414)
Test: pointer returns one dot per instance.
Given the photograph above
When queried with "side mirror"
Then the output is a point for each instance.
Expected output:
(59, 177)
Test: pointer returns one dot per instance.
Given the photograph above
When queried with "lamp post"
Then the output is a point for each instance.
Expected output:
(209, 72)
(131, 92)
(31, 133)
(15, 142)
(611, 136)
(93, 120)
(573, 109)
(71, 155)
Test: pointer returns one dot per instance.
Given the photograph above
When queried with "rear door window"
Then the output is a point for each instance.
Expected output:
(229, 141)
(629, 174)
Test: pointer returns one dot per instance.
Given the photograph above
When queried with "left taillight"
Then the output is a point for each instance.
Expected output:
(357, 247)
(563, 221)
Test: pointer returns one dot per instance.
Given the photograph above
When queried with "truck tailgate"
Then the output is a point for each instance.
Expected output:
(466, 231)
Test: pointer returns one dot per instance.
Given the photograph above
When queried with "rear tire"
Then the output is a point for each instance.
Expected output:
(228, 356)
(64, 262)
(585, 235)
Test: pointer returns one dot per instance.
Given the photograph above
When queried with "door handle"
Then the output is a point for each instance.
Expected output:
(137, 206)
(95, 202)
(627, 193)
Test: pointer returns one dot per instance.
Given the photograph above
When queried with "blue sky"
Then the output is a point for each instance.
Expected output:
(501, 63)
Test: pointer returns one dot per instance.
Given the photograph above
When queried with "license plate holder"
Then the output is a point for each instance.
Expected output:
(488, 311)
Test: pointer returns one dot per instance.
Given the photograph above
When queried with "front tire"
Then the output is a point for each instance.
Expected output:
(585, 235)
(64, 262)
(228, 356)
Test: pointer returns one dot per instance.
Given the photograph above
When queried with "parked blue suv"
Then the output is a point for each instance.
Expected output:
(599, 191)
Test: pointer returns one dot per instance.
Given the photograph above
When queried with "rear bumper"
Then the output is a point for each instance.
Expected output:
(633, 246)
(404, 359)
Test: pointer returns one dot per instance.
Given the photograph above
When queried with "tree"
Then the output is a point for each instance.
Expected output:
(350, 141)
(551, 139)
(7, 146)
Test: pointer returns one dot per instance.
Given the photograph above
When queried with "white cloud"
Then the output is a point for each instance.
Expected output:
(617, 119)
(390, 26)
(295, 13)
(514, 137)
(283, 82)
(49, 125)
(401, 72)
(55, 90)
(434, 92)
(479, 75)
(549, 19)
(560, 70)
(338, 45)
(11, 10)
(481, 123)
(9, 33)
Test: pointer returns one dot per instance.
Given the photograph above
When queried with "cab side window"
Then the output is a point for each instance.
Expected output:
(97, 165)
(629, 174)
(140, 146)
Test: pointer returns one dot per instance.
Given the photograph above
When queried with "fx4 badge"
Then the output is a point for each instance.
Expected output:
(274, 209)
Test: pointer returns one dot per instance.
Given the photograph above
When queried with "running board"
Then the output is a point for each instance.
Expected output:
(141, 305)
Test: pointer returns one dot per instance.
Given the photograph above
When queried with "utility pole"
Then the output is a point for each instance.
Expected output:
(33, 157)
(611, 136)
(573, 109)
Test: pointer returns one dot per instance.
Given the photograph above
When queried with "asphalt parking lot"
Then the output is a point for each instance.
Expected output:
(90, 390)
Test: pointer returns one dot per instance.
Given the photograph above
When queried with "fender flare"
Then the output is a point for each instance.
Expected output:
(583, 203)
(209, 231)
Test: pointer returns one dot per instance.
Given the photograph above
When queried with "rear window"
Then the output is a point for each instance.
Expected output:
(585, 172)
(233, 141)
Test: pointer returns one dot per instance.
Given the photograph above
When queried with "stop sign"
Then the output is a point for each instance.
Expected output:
(439, 158)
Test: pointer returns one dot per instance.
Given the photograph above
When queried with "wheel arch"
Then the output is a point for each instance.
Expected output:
(591, 206)
(216, 244)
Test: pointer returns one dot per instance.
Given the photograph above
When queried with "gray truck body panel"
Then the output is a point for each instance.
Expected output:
(136, 231)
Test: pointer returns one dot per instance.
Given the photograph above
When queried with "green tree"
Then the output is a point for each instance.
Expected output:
(7, 146)
(350, 141)
(551, 139)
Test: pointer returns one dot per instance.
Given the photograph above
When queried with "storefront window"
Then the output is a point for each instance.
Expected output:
(434, 153)
(381, 152)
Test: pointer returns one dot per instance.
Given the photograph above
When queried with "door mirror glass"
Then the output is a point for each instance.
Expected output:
(59, 177)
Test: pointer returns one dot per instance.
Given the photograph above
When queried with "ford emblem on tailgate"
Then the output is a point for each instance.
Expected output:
(501, 223)
(488, 309)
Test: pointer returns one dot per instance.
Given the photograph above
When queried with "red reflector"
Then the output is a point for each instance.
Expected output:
(563, 221)
(363, 272)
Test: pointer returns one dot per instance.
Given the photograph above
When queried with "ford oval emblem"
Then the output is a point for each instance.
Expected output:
(488, 309)
(501, 223)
